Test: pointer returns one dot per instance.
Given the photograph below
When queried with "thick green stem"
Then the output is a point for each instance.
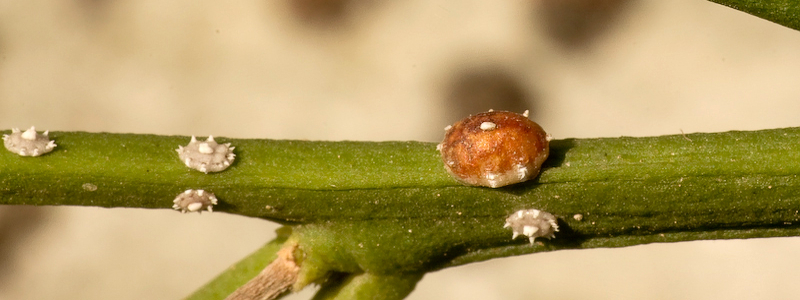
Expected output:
(390, 209)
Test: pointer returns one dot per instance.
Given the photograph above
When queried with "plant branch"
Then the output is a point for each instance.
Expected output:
(389, 208)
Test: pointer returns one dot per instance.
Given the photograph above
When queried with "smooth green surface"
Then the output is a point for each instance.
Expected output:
(783, 12)
(390, 209)
(144, 171)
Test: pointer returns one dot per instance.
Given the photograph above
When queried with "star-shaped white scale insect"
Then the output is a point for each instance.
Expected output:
(532, 223)
(28, 143)
(206, 156)
(194, 201)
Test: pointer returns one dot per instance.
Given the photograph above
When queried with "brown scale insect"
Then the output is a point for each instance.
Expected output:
(494, 149)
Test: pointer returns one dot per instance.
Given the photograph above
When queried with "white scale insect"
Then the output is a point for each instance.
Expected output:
(532, 223)
(194, 201)
(28, 143)
(206, 156)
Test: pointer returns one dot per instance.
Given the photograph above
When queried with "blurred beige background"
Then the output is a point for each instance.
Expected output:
(382, 70)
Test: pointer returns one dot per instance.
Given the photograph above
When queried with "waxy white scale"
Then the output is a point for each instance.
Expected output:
(532, 223)
(194, 201)
(28, 143)
(206, 156)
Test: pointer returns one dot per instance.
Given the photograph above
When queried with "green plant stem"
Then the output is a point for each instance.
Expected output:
(389, 208)
(783, 12)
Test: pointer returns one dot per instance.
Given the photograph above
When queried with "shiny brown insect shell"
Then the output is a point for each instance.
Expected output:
(494, 149)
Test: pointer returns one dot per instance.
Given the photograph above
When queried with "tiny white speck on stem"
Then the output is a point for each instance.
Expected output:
(89, 187)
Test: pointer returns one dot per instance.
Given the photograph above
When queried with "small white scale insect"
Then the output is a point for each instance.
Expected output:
(28, 143)
(206, 156)
(194, 201)
(532, 223)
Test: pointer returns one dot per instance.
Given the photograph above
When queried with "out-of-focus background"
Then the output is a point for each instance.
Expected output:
(382, 70)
